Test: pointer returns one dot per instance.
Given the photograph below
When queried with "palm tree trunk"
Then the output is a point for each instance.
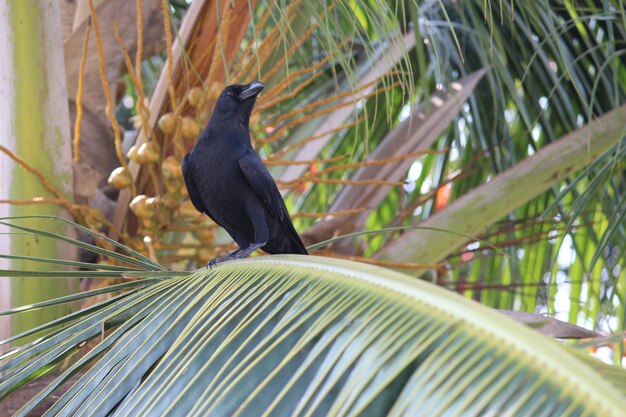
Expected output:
(35, 127)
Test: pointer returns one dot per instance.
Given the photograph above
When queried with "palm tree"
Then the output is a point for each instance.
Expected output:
(297, 335)
(507, 117)
(35, 131)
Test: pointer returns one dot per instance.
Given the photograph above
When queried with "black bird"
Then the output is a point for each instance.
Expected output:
(227, 181)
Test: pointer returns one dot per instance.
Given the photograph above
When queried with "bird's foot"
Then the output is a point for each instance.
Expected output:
(238, 254)
(215, 261)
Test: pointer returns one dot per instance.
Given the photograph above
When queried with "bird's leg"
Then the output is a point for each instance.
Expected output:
(261, 235)
(229, 257)
(259, 223)
(238, 254)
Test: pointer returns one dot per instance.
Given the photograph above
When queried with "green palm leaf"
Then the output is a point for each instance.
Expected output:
(294, 335)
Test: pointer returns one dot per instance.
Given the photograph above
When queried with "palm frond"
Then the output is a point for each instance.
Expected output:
(298, 335)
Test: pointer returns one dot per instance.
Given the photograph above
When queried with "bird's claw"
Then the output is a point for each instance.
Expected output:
(210, 264)
(238, 254)
(213, 262)
(216, 261)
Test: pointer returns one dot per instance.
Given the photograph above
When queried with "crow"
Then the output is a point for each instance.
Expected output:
(227, 181)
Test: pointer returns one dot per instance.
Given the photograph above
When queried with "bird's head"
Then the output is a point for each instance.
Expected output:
(236, 101)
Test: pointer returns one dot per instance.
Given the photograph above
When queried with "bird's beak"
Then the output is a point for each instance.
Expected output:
(252, 90)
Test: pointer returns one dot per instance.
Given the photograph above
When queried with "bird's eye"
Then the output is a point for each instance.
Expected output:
(230, 94)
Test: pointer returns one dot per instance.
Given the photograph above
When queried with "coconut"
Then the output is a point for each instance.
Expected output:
(120, 178)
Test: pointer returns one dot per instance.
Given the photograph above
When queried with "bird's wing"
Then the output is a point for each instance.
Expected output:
(264, 186)
(262, 183)
(194, 196)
